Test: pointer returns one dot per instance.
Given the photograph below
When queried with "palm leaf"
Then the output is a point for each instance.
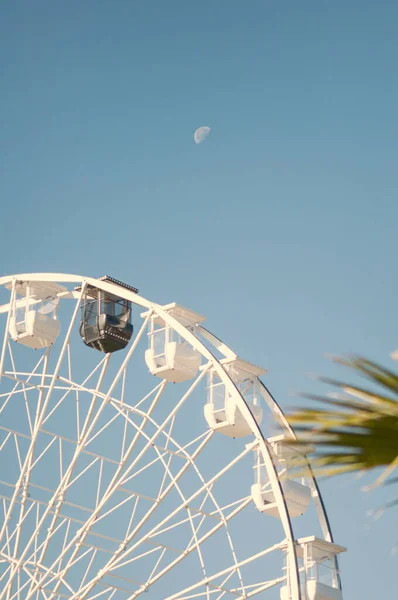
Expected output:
(355, 429)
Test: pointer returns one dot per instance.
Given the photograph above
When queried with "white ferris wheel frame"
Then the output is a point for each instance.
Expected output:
(213, 362)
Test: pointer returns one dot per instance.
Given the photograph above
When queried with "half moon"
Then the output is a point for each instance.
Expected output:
(201, 134)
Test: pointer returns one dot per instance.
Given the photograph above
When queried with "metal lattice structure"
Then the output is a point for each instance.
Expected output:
(112, 481)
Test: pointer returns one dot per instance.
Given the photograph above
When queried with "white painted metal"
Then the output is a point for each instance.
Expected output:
(169, 356)
(40, 290)
(285, 451)
(11, 282)
(297, 498)
(34, 330)
(314, 590)
(320, 549)
(319, 577)
(34, 323)
(286, 457)
(183, 315)
(222, 411)
(148, 482)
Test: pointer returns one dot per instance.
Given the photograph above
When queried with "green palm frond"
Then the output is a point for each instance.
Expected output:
(355, 429)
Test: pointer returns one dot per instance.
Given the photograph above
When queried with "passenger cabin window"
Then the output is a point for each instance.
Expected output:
(106, 321)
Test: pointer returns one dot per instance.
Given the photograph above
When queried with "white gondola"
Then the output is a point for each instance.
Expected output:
(285, 457)
(169, 355)
(319, 576)
(221, 410)
(33, 319)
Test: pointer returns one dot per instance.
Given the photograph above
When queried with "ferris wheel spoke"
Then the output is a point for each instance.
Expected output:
(249, 591)
(196, 514)
(14, 393)
(228, 571)
(78, 522)
(191, 548)
(127, 475)
(23, 586)
(170, 487)
(188, 550)
(87, 428)
(111, 486)
(114, 483)
(14, 534)
(160, 549)
(158, 391)
(122, 553)
(33, 556)
(256, 587)
(42, 568)
(18, 453)
(71, 386)
(57, 576)
(23, 383)
(123, 410)
(108, 590)
(220, 512)
(194, 529)
(58, 496)
(169, 458)
(203, 517)
(7, 536)
(40, 415)
(190, 519)
(26, 467)
(195, 541)
(89, 422)
(69, 563)
(23, 389)
(160, 428)
(11, 355)
(262, 588)
(94, 553)
(165, 451)
(222, 589)
(67, 533)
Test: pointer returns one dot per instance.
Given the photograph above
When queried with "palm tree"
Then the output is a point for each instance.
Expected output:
(356, 429)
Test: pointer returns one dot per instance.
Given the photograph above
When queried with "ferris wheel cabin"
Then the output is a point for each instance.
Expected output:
(286, 459)
(169, 355)
(33, 313)
(106, 319)
(320, 578)
(221, 410)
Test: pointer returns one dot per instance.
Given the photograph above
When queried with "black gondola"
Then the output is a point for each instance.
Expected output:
(106, 319)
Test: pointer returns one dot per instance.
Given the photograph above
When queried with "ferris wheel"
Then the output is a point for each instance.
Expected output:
(140, 455)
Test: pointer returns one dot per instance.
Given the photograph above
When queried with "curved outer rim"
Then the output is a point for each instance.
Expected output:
(233, 390)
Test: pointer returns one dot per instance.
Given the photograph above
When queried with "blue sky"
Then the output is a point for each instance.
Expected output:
(281, 227)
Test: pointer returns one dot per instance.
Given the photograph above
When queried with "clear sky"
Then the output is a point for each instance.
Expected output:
(281, 227)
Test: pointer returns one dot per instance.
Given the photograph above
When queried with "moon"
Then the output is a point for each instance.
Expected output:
(201, 134)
